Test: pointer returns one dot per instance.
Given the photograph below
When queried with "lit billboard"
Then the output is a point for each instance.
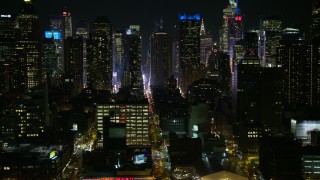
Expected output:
(304, 129)
(53, 34)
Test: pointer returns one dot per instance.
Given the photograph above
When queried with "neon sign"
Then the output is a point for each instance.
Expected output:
(238, 18)
(189, 17)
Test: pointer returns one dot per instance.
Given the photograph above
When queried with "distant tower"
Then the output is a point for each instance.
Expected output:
(315, 26)
(132, 71)
(232, 27)
(205, 45)
(67, 24)
(28, 48)
(119, 42)
(74, 63)
(295, 56)
(82, 31)
(100, 54)
(7, 39)
(189, 33)
(161, 57)
(202, 28)
(57, 26)
(270, 37)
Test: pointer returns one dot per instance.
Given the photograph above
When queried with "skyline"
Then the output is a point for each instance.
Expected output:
(146, 12)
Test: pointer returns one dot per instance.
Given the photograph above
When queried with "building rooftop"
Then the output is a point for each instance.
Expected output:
(224, 175)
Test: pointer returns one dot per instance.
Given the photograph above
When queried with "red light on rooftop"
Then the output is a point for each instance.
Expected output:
(238, 18)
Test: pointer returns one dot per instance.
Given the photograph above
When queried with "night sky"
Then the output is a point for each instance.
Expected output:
(145, 12)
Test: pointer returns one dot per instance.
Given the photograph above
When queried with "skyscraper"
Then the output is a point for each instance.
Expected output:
(232, 27)
(270, 37)
(82, 31)
(315, 26)
(67, 20)
(132, 77)
(300, 68)
(189, 33)
(161, 57)
(259, 102)
(205, 45)
(119, 43)
(74, 62)
(100, 54)
(7, 39)
(28, 47)
(57, 25)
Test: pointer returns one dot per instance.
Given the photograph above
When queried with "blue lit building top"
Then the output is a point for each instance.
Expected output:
(185, 16)
(55, 34)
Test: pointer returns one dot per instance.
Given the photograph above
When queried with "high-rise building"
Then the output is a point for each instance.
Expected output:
(7, 39)
(50, 59)
(119, 43)
(270, 37)
(28, 47)
(74, 62)
(132, 77)
(259, 102)
(135, 116)
(315, 26)
(232, 27)
(57, 27)
(295, 56)
(161, 57)
(82, 31)
(67, 20)
(100, 54)
(189, 33)
(205, 44)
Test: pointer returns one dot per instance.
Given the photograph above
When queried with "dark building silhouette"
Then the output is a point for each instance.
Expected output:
(132, 77)
(100, 54)
(74, 63)
(280, 158)
(189, 44)
(161, 57)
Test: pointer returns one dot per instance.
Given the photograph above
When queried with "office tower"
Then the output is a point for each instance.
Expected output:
(132, 77)
(100, 54)
(7, 39)
(57, 27)
(74, 63)
(232, 27)
(205, 44)
(33, 112)
(270, 37)
(315, 30)
(189, 33)
(295, 56)
(119, 55)
(67, 20)
(161, 57)
(82, 31)
(28, 47)
(50, 59)
(259, 101)
(135, 116)
(219, 69)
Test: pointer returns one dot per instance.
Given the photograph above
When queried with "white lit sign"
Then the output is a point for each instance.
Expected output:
(6, 16)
